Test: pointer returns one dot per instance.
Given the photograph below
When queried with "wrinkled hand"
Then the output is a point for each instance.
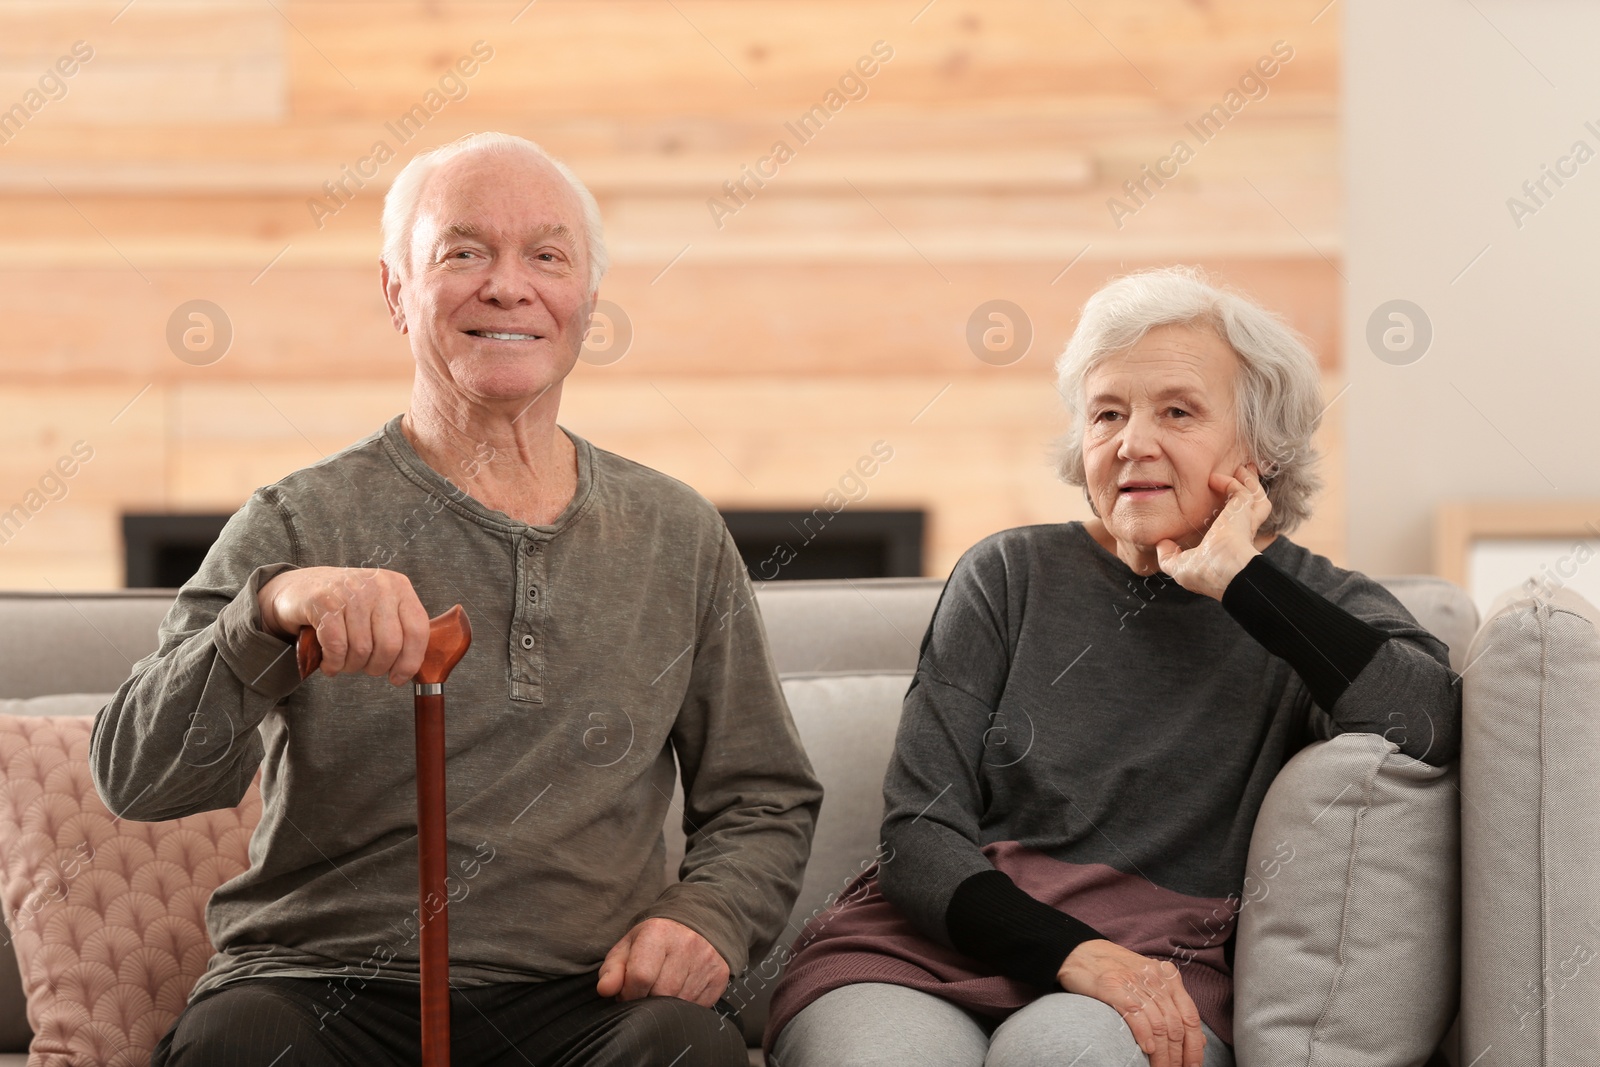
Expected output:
(663, 958)
(1147, 993)
(368, 620)
(1229, 541)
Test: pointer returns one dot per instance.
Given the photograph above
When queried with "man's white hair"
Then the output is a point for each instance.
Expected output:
(400, 205)
(1277, 394)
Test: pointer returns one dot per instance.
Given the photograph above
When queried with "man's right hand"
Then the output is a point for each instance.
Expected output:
(368, 621)
(1147, 993)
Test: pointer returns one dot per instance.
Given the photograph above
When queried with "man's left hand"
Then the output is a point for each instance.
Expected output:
(1229, 541)
(663, 958)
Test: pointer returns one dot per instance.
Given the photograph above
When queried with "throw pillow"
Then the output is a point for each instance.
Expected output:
(1349, 929)
(107, 915)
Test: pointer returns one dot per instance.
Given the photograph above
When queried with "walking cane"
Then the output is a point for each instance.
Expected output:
(448, 638)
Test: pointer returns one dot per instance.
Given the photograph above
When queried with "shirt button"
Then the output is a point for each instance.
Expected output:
(527, 640)
(533, 594)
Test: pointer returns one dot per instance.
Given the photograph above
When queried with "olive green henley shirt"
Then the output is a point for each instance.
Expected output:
(610, 648)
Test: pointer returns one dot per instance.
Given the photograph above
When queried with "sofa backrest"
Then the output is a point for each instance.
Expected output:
(75, 642)
(845, 649)
(86, 642)
(1530, 832)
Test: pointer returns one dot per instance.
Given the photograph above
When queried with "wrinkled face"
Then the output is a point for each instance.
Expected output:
(1159, 420)
(496, 299)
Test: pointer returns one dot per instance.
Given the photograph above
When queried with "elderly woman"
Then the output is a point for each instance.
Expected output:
(1097, 713)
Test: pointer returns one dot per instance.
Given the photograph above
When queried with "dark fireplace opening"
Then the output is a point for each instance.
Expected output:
(780, 545)
(164, 551)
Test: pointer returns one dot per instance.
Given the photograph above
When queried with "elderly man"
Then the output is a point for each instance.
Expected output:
(615, 640)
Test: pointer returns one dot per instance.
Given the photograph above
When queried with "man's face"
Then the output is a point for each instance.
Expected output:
(496, 298)
(1159, 421)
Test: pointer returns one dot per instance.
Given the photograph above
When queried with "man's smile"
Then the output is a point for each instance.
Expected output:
(499, 335)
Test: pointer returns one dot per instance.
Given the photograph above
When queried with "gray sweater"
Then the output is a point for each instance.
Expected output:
(1082, 752)
(610, 648)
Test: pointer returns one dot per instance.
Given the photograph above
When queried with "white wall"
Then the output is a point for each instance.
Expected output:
(1450, 106)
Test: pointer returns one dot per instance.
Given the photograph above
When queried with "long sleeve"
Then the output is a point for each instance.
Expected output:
(750, 796)
(1379, 674)
(180, 735)
(991, 919)
(934, 794)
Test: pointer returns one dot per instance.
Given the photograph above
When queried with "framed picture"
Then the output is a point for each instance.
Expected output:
(1492, 547)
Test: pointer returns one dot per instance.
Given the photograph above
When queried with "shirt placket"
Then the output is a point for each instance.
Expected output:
(527, 622)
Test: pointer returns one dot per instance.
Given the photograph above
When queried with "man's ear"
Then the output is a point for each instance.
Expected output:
(584, 316)
(391, 295)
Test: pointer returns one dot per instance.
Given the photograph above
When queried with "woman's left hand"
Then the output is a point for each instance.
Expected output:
(1228, 543)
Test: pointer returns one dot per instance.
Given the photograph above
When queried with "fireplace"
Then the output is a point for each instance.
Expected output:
(779, 545)
(164, 551)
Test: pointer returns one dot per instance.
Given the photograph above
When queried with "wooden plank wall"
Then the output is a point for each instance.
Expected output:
(772, 344)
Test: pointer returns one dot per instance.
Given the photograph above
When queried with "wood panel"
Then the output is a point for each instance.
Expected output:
(709, 56)
(183, 63)
(67, 534)
(737, 321)
(977, 457)
(1026, 98)
(718, 55)
(769, 351)
(646, 152)
(1030, 201)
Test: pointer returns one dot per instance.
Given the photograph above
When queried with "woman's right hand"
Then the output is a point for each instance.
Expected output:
(1147, 993)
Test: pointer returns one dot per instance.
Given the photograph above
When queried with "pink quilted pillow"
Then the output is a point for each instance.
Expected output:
(107, 915)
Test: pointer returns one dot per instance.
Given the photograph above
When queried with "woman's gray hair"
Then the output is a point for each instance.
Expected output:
(1277, 395)
(400, 205)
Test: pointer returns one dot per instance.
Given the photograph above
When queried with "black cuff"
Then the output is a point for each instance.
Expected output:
(993, 921)
(1325, 644)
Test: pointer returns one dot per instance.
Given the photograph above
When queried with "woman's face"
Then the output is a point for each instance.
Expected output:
(1159, 420)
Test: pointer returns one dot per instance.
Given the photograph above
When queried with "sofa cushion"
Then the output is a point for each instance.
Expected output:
(1530, 824)
(847, 723)
(107, 915)
(1349, 924)
(866, 626)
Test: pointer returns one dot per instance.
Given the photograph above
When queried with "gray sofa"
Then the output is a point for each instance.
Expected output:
(845, 649)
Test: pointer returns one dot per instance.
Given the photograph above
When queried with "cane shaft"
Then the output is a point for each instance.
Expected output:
(431, 865)
(449, 636)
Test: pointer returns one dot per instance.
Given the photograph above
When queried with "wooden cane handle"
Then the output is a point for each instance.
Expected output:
(307, 652)
(449, 637)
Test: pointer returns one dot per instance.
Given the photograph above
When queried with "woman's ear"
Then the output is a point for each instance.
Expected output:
(1266, 472)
